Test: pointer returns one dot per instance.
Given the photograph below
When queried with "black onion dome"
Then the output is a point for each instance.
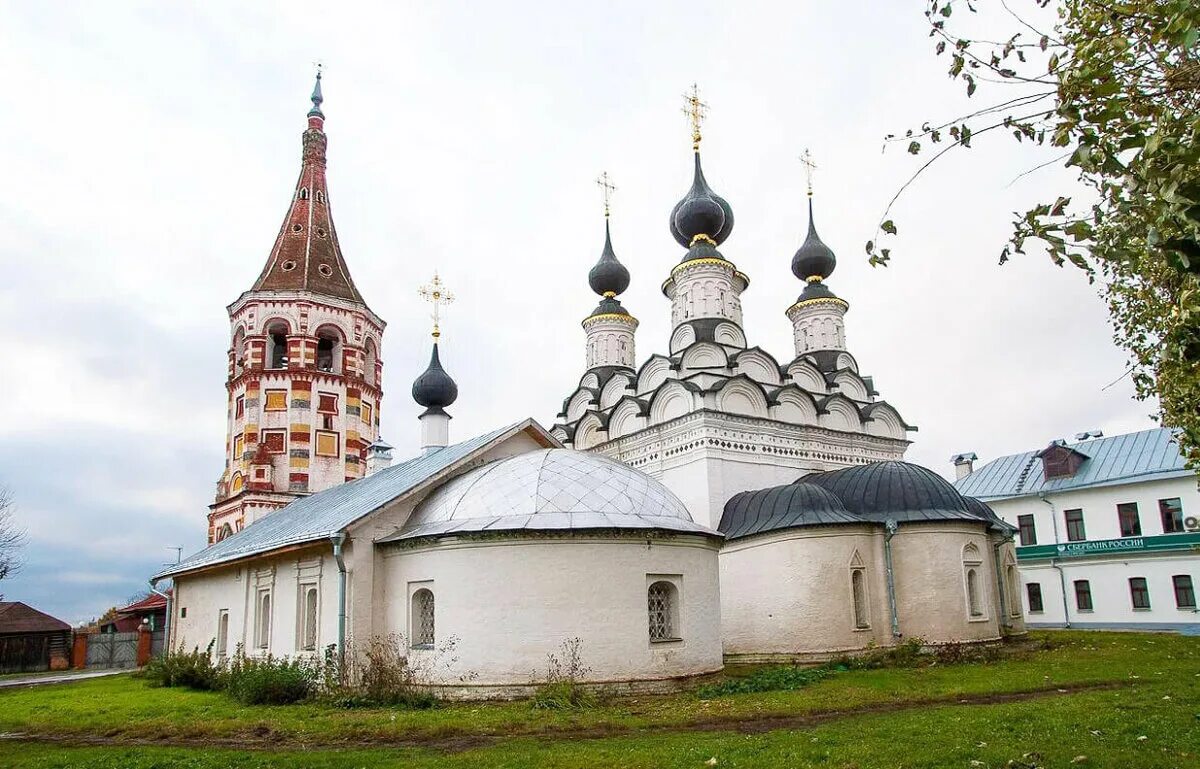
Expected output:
(434, 389)
(701, 212)
(782, 507)
(898, 490)
(814, 258)
(608, 276)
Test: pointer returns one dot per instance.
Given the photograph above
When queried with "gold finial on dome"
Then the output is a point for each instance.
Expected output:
(607, 187)
(696, 111)
(809, 166)
(436, 294)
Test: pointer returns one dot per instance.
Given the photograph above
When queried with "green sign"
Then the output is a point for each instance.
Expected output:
(1101, 547)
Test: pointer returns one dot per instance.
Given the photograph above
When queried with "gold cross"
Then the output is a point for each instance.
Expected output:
(606, 185)
(809, 166)
(436, 294)
(696, 111)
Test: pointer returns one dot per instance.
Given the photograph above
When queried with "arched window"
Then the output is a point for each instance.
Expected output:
(973, 593)
(236, 484)
(308, 617)
(304, 193)
(320, 196)
(225, 529)
(858, 589)
(277, 346)
(1014, 595)
(223, 633)
(329, 350)
(422, 619)
(662, 609)
(239, 351)
(369, 359)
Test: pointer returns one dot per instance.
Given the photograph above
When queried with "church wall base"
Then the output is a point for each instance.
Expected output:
(648, 686)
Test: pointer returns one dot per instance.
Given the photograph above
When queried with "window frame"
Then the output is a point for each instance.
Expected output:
(1123, 508)
(1022, 520)
(1087, 591)
(222, 644)
(1075, 525)
(303, 591)
(367, 413)
(267, 394)
(1176, 521)
(861, 604)
(666, 617)
(337, 440)
(239, 407)
(1178, 585)
(1032, 589)
(265, 435)
(421, 635)
(262, 618)
(1139, 586)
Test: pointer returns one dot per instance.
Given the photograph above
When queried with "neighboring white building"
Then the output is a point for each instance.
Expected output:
(1108, 530)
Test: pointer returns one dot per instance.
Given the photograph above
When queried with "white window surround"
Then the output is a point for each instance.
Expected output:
(307, 617)
(262, 619)
(222, 645)
(663, 603)
(422, 615)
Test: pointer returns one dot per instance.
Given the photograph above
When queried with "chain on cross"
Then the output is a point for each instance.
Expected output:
(436, 294)
(696, 111)
(809, 166)
(607, 187)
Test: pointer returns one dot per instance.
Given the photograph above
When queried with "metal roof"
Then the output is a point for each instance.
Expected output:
(1141, 456)
(782, 507)
(327, 512)
(551, 489)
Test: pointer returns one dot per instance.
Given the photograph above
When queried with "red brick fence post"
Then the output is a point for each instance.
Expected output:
(79, 651)
(143, 644)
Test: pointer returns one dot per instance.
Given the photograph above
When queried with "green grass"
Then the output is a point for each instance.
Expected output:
(1158, 695)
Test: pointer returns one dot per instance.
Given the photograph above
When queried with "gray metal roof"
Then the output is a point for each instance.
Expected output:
(327, 512)
(1141, 456)
(551, 489)
(795, 505)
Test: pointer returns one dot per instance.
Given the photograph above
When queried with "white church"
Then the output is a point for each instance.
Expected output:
(708, 504)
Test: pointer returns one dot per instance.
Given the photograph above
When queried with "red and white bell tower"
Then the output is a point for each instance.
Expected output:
(304, 370)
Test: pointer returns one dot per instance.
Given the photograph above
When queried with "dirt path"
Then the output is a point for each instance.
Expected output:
(264, 739)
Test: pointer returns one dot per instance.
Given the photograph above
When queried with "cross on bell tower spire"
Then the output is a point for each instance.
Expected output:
(607, 187)
(809, 167)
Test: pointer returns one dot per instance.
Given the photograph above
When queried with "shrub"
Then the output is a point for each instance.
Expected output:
(385, 672)
(563, 687)
(773, 679)
(270, 680)
(193, 670)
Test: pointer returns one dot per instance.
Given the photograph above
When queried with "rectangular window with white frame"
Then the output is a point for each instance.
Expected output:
(1127, 516)
(1185, 592)
(1075, 529)
(307, 616)
(1027, 529)
(1171, 511)
(1139, 593)
(262, 619)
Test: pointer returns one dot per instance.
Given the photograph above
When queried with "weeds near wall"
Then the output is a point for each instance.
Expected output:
(191, 670)
(384, 671)
(563, 686)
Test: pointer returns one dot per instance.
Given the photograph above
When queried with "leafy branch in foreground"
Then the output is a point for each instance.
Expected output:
(1114, 87)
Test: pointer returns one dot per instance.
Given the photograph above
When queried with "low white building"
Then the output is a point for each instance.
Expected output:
(1108, 530)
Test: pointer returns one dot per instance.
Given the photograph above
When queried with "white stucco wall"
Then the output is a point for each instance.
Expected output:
(510, 602)
(200, 598)
(931, 586)
(788, 593)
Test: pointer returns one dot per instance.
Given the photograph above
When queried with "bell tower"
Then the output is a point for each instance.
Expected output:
(304, 374)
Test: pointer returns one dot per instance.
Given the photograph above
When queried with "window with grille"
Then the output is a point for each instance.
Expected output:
(1131, 526)
(1034, 591)
(1139, 593)
(660, 608)
(1185, 593)
(423, 616)
(308, 617)
(858, 589)
(1083, 595)
(1075, 529)
(1172, 515)
(1028, 530)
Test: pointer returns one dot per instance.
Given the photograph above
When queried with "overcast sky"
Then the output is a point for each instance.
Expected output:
(149, 151)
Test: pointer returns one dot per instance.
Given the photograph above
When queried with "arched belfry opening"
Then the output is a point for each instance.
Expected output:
(329, 350)
(277, 345)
